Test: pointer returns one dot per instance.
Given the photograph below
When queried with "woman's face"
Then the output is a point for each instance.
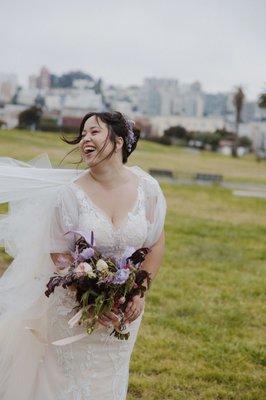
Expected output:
(93, 138)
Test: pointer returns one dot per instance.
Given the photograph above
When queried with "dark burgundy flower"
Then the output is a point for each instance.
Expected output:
(139, 255)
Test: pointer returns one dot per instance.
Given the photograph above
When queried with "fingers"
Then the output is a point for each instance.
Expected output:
(132, 312)
(133, 309)
(108, 318)
(129, 307)
(132, 315)
(104, 321)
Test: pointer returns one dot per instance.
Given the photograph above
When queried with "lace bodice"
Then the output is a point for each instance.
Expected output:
(74, 210)
(112, 240)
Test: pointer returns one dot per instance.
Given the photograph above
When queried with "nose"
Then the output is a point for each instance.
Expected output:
(87, 137)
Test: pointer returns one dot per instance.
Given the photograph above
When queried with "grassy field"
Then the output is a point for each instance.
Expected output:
(203, 331)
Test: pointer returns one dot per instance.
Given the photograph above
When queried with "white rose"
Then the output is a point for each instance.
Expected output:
(101, 266)
(84, 268)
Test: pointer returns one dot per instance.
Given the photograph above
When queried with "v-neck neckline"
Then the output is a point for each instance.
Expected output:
(100, 211)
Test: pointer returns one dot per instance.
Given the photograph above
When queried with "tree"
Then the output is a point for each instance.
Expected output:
(262, 106)
(177, 132)
(262, 100)
(98, 86)
(238, 101)
(30, 118)
(14, 99)
(66, 80)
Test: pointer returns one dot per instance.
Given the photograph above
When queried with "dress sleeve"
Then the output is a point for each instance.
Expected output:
(64, 219)
(156, 207)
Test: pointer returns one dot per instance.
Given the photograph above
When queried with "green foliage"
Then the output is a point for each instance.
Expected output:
(49, 124)
(162, 140)
(178, 135)
(66, 80)
(30, 118)
(225, 135)
(211, 139)
(244, 141)
(178, 132)
(262, 100)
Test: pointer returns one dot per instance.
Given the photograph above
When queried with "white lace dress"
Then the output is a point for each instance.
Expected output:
(44, 203)
(96, 367)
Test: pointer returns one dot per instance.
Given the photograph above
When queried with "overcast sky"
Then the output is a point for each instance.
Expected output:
(221, 43)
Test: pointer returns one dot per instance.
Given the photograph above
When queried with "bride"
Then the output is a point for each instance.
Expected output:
(124, 206)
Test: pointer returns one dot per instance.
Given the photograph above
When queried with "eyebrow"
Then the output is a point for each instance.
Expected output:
(92, 127)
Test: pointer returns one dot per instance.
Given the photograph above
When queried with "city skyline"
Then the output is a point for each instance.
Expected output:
(218, 44)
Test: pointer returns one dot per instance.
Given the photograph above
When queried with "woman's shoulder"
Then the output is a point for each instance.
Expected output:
(151, 186)
(148, 178)
(66, 193)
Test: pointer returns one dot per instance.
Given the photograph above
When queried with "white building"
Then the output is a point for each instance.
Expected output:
(83, 84)
(254, 130)
(8, 86)
(9, 114)
(157, 96)
(166, 97)
(196, 124)
(84, 100)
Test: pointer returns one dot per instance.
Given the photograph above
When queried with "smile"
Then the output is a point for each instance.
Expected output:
(88, 149)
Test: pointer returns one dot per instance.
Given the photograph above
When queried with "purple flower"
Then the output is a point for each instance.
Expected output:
(121, 276)
(86, 253)
(127, 253)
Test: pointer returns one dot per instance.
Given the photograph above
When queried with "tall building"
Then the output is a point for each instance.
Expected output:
(165, 97)
(157, 96)
(8, 86)
(41, 81)
(33, 82)
(215, 104)
(44, 79)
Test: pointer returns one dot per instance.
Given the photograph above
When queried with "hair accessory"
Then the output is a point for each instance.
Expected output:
(130, 138)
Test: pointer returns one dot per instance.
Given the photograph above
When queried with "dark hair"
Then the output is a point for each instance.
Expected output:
(117, 126)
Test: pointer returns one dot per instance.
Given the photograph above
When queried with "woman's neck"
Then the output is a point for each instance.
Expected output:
(109, 176)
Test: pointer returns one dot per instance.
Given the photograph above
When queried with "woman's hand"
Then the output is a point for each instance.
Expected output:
(134, 308)
(132, 312)
(109, 318)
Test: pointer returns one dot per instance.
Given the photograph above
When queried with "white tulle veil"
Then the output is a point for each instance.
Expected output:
(31, 190)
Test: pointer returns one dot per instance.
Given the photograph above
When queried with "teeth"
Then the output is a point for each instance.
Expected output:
(88, 149)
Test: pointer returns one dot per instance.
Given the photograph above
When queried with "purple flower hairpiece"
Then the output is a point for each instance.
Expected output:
(130, 138)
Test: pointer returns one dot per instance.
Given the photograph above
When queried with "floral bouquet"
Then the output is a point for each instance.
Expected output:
(101, 284)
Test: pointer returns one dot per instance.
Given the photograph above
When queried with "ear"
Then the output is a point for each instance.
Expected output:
(119, 142)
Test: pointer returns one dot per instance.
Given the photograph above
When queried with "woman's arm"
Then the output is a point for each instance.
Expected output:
(151, 264)
(61, 260)
(154, 259)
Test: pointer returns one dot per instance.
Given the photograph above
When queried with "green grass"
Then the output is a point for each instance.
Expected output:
(203, 331)
(203, 319)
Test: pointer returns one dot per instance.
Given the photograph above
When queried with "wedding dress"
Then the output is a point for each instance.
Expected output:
(45, 203)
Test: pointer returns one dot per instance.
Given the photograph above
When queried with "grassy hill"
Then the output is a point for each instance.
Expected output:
(202, 333)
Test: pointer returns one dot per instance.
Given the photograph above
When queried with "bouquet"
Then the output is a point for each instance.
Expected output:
(100, 283)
